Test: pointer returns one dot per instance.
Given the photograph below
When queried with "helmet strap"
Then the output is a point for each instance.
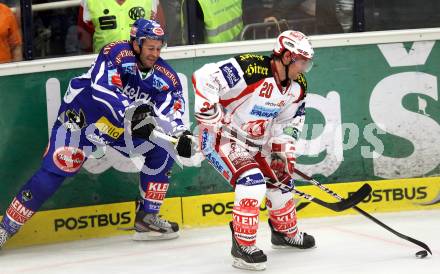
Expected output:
(285, 81)
(286, 70)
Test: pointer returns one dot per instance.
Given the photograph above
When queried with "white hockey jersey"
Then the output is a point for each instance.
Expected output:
(256, 108)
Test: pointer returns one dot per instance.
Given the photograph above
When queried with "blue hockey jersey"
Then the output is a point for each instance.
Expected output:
(113, 83)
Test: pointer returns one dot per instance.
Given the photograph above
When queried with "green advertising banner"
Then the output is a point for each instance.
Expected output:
(372, 113)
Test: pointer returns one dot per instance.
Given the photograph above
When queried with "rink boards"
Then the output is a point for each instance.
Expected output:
(215, 209)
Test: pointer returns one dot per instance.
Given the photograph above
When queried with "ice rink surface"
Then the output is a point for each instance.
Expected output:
(350, 244)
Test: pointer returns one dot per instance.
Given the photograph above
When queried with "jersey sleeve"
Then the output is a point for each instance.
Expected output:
(213, 81)
(168, 100)
(170, 107)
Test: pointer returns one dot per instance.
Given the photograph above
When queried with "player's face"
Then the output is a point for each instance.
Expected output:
(299, 65)
(150, 52)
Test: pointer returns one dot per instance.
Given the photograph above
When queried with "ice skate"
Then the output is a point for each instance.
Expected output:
(4, 236)
(150, 227)
(301, 240)
(247, 257)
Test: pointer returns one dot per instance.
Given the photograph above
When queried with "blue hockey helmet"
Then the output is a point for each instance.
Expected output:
(147, 29)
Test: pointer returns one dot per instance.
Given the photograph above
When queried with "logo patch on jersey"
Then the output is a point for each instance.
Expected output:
(68, 159)
(109, 46)
(291, 131)
(136, 12)
(247, 56)
(26, 195)
(231, 74)
(122, 54)
(301, 111)
(135, 94)
(254, 69)
(106, 127)
(214, 161)
(260, 111)
(167, 73)
(280, 104)
(160, 84)
(129, 68)
(75, 120)
(206, 141)
(256, 128)
(78, 119)
(177, 106)
(116, 80)
(254, 179)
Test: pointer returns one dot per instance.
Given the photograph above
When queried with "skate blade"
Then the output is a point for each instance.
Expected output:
(154, 236)
(292, 247)
(239, 263)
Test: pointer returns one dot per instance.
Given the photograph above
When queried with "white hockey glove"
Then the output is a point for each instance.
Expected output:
(211, 117)
(283, 161)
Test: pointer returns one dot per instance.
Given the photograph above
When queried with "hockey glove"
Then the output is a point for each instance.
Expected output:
(283, 161)
(184, 144)
(143, 123)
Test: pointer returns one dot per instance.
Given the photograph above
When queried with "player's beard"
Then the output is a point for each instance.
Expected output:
(146, 62)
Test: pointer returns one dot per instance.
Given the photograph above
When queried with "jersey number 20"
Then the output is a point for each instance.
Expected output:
(266, 90)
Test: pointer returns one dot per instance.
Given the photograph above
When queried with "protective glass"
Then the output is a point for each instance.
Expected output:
(304, 64)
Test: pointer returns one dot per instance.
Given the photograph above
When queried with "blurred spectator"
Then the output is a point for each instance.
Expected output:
(401, 14)
(171, 9)
(344, 13)
(270, 17)
(216, 20)
(257, 11)
(10, 36)
(327, 21)
(108, 21)
(10, 3)
(51, 28)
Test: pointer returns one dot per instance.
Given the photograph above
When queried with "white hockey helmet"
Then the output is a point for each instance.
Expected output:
(294, 41)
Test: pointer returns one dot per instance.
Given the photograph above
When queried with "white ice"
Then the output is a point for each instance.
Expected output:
(349, 244)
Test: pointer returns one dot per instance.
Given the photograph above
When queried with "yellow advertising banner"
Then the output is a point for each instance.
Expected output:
(215, 209)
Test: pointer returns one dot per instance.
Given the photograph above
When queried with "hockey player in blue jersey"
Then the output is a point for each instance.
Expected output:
(107, 106)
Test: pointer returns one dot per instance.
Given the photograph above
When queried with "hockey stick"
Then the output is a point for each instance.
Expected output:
(164, 136)
(356, 198)
(342, 205)
(329, 191)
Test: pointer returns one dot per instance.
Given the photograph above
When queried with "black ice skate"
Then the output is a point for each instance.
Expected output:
(150, 227)
(247, 257)
(4, 236)
(301, 240)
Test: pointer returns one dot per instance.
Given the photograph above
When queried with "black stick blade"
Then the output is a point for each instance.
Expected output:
(350, 202)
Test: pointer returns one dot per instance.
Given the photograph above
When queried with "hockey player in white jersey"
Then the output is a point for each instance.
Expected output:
(250, 111)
